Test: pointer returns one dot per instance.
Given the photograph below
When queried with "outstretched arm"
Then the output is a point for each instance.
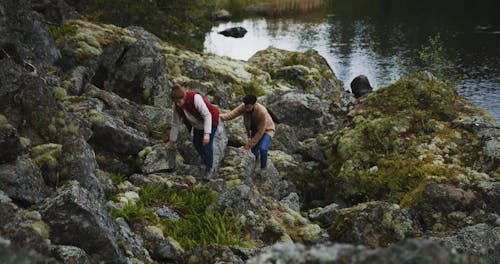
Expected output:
(234, 113)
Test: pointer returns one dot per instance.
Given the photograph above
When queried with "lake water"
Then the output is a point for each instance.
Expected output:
(378, 38)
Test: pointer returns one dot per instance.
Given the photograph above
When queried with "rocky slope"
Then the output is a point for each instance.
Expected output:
(406, 174)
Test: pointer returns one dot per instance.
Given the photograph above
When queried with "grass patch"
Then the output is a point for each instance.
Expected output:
(199, 226)
(204, 229)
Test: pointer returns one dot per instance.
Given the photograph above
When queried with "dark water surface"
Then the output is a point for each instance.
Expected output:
(378, 38)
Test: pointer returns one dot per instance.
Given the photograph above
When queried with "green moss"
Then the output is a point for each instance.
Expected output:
(47, 155)
(96, 117)
(194, 200)
(60, 93)
(4, 123)
(25, 142)
(398, 137)
(59, 32)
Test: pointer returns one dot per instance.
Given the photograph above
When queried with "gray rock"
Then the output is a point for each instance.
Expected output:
(166, 212)
(164, 250)
(221, 15)
(159, 159)
(300, 111)
(373, 224)
(79, 164)
(22, 181)
(326, 215)
(73, 212)
(479, 240)
(293, 201)
(70, 254)
(113, 134)
(25, 35)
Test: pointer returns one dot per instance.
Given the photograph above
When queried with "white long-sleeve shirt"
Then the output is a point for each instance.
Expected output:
(205, 124)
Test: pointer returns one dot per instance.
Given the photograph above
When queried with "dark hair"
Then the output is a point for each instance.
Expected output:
(250, 99)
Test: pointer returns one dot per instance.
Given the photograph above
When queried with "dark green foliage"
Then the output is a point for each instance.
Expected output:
(116, 178)
(133, 213)
(204, 229)
(58, 32)
(180, 22)
(198, 227)
(192, 200)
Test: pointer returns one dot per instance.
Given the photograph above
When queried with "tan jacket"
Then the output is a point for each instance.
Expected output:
(261, 118)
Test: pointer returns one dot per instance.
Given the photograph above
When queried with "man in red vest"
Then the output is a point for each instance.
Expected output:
(197, 113)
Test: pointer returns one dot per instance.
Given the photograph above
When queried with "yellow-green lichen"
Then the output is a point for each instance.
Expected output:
(4, 123)
(60, 93)
(96, 117)
(47, 155)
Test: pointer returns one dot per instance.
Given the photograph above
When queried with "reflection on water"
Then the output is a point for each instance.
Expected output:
(378, 47)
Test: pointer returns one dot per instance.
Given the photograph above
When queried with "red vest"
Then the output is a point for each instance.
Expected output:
(190, 108)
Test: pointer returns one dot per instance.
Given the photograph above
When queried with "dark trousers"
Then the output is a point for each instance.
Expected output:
(261, 149)
(206, 151)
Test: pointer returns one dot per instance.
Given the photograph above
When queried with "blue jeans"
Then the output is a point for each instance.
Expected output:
(206, 151)
(261, 149)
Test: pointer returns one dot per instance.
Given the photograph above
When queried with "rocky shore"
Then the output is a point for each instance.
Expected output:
(408, 173)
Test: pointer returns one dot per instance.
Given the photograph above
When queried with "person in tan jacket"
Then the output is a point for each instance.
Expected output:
(259, 125)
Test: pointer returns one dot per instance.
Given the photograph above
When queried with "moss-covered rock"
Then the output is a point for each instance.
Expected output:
(373, 224)
(400, 136)
(85, 39)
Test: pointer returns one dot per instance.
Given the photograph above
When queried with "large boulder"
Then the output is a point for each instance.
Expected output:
(402, 136)
(23, 237)
(25, 36)
(374, 224)
(74, 212)
(405, 252)
(479, 240)
(30, 103)
(22, 181)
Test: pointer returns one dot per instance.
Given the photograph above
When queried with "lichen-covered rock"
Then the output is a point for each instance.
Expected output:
(374, 224)
(20, 239)
(158, 159)
(400, 136)
(79, 163)
(478, 240)
(441, 206)
(22, 181)
(25, 35)
(325, 216)
(408, 251)
(311, 66)
(113, 134)
(161, 248)
(217, 254)
(70, 254)
(73, 212)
